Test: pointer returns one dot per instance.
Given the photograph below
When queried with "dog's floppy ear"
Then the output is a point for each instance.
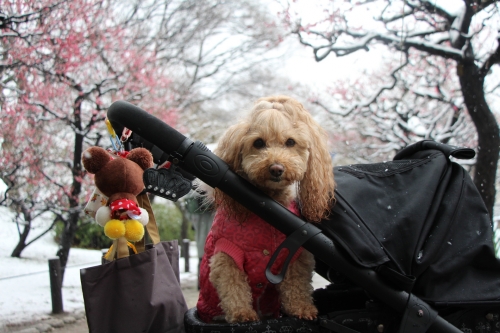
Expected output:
(316, 190)
(229, 150)
(230, 145)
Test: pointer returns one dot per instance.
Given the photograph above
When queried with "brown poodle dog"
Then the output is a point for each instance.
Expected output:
(281, 150)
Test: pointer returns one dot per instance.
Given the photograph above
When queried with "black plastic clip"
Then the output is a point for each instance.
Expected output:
(418, 316)
(292, 243)
(166, 183)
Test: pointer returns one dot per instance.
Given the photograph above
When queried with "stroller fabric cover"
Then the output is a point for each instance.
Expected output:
(422, 217)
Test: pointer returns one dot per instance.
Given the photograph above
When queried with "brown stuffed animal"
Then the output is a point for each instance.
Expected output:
(120, 179)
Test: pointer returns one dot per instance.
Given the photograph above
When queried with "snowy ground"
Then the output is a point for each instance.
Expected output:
(25, 285)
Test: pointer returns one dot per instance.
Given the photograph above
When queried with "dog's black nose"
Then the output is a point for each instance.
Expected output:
(276, 170)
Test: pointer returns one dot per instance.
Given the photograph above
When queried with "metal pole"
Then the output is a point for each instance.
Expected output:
(185, 250)
(56, 285)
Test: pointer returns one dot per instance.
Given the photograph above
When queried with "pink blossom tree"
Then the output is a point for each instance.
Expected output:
(63, 63)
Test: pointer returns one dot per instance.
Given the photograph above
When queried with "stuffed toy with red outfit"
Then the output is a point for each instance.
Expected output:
(120, 179)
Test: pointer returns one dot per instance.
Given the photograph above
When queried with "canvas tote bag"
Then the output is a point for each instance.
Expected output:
(138, 292)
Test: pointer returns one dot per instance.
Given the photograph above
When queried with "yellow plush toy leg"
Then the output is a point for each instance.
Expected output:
(134, 230)
(114, 229)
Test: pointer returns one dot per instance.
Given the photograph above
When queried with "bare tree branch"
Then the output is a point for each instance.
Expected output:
(372, 98)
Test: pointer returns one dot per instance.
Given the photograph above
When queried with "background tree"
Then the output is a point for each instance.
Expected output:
(219, 54)
(419, 96)
(64, 62)
(377, 115)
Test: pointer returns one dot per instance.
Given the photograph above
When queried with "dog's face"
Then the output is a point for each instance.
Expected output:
(275, 150)
(277, 145)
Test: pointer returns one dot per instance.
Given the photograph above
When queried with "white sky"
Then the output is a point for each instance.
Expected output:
(301, 66)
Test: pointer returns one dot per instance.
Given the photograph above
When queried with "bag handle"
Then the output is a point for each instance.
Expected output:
(152, 226)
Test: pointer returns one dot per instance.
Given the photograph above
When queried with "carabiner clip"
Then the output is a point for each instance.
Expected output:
(115, 141)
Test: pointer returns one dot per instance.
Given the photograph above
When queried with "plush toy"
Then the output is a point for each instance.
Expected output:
(120, 179)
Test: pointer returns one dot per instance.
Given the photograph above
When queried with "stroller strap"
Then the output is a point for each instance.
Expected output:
(292, 243)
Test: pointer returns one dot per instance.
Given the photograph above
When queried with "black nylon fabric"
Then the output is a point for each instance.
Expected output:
(422, 216)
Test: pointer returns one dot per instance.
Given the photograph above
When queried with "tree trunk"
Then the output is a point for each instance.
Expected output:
(71, 224)
(471, 82)
(21, 245)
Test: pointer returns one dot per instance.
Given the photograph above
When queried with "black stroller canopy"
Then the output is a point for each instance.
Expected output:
(421, 216)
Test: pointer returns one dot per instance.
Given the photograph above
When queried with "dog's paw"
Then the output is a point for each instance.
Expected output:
(241, 315)
(303, 311)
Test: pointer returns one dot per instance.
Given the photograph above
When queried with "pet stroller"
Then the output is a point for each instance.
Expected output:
(408, 248)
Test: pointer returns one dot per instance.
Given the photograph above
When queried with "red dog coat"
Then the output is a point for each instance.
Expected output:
(251, 244)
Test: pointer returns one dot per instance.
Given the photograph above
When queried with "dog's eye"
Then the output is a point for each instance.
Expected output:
(259, 143)
(290, 143)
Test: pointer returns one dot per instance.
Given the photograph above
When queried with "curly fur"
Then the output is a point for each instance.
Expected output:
(259, 149)
(233, 290)
(307, 164)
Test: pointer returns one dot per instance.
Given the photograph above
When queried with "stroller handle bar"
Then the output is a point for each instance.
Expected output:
(123, 114)
(198, 160)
